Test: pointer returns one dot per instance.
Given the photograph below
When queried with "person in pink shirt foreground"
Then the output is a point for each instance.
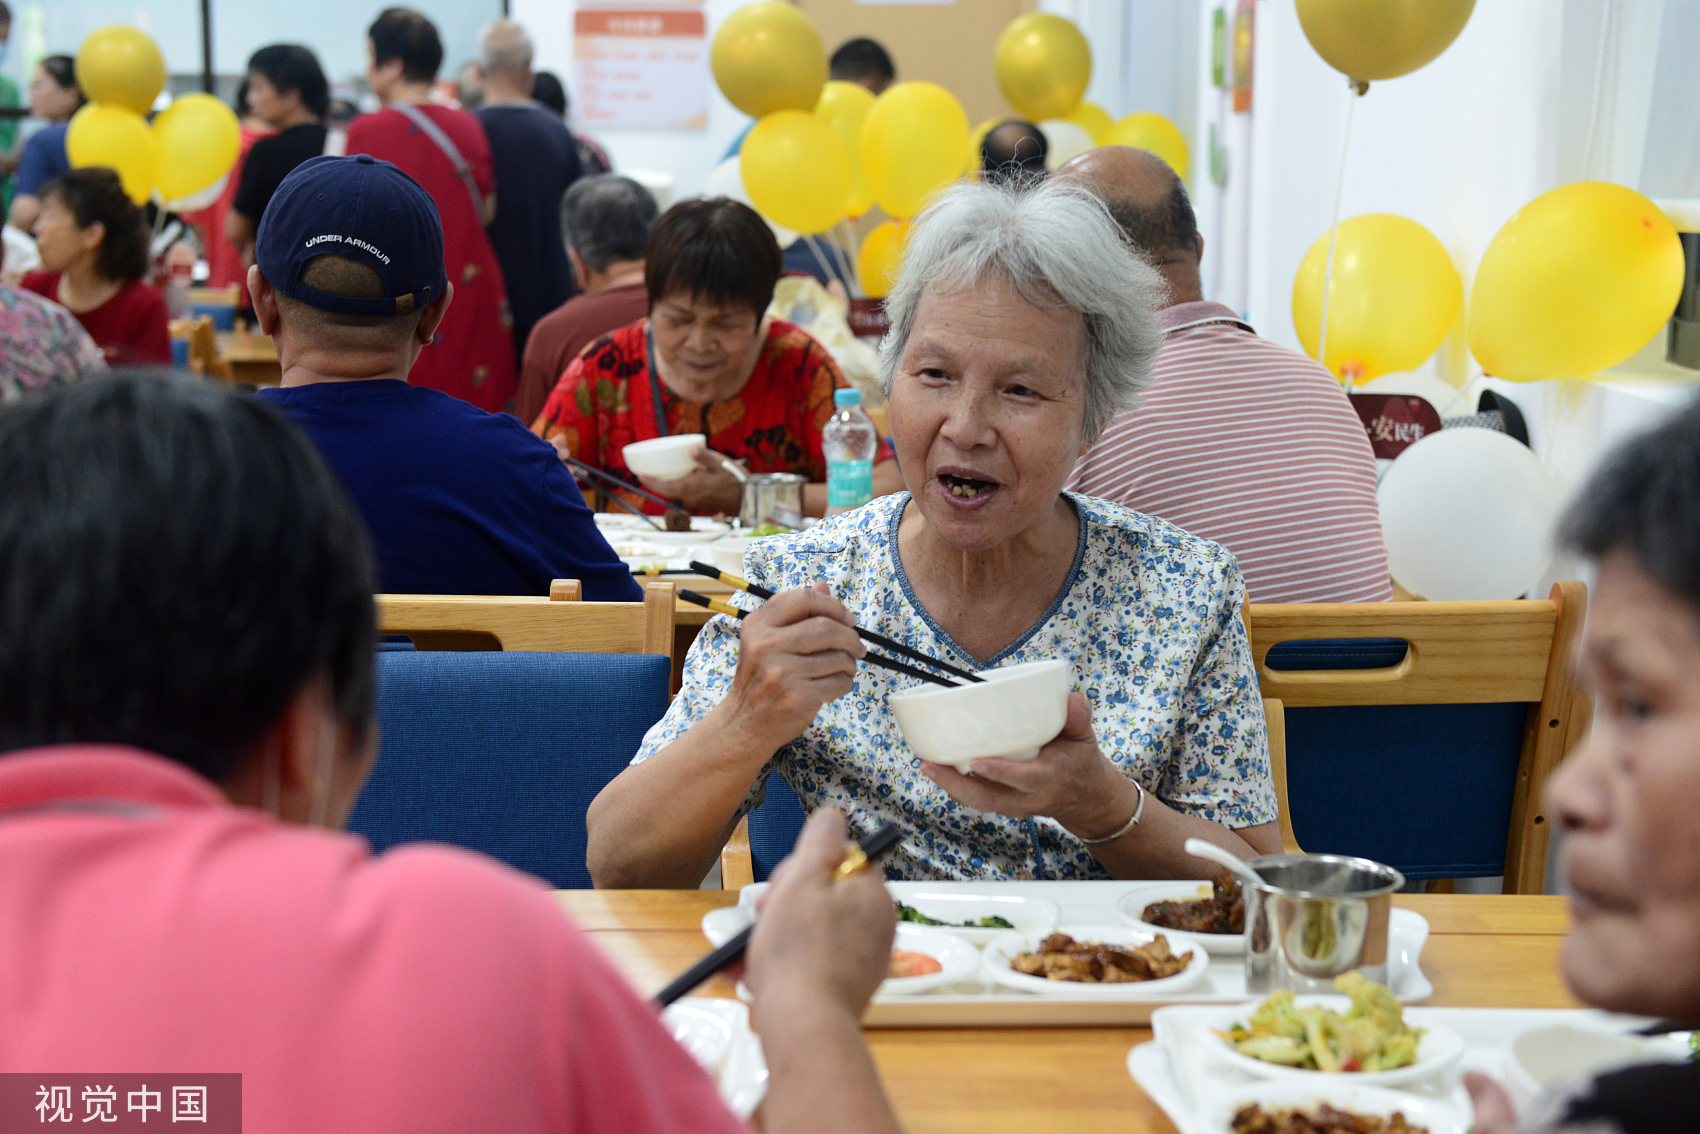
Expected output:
(186, 637)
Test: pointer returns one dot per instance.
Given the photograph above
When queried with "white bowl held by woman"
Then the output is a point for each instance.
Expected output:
(1131, 905)
(1437, 1116)
(1000, 951)
(1014, 713)
(663, 458)
(1439, 1048)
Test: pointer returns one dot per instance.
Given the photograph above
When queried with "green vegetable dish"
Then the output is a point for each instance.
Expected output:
(1370, 1036)
(910, 913)
(767, 530)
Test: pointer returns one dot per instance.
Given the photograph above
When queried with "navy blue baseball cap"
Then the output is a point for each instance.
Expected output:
(365, 210)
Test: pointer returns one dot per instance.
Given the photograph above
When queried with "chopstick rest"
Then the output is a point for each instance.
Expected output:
(859, 856)
(870, 657)
(868, 636)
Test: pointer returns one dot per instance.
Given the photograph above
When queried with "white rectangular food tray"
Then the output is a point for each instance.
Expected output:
(979, 1003)
(1184, 1079)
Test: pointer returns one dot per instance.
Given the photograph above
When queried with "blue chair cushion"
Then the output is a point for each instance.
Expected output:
(1337, 653)
(223, 315)
(774, 827)
(502, 752)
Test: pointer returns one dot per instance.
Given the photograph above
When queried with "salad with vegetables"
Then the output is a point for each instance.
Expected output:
(1371, 1035)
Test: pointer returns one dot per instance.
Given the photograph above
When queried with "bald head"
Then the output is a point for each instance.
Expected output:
(1013, 150)
(1150, 203)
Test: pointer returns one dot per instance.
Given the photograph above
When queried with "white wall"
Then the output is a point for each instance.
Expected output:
(688, 155)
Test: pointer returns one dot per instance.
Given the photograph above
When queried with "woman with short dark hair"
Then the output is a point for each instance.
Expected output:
(707, 360)
(94, 255)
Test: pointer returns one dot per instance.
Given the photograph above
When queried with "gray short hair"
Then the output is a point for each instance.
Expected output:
(1056, 245)
(607, 218)
(505, 48)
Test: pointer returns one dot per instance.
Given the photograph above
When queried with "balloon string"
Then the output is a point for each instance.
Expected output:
(1334, 228)
(830, 263)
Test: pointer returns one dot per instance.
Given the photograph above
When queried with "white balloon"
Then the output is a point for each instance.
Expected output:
(1447, 399)
(1064, 140)
(1468, 514)
(727, 180)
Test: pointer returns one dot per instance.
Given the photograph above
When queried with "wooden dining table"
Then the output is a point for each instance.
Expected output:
(1484, 951)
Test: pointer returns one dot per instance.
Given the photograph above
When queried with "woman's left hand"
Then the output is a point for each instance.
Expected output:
(1071, 781)
(706, 490)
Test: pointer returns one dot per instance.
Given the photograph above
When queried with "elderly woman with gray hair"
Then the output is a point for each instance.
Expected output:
(1021, 324)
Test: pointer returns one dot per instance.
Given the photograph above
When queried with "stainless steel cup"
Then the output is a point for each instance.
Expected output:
(775, 495)
(1314, 917)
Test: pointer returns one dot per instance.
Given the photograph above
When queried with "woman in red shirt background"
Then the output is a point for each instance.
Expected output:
(94, 251)
(760, 389)
(473, 355)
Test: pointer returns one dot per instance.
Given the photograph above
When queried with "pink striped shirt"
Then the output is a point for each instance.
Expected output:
(1252, 445)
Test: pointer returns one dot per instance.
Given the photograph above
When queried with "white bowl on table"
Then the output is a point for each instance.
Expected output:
(728, 553)
(663, 458)
(1131, 905)
(1001, 950)
(1438, 1049)
(1543, 1058)
(1011, 715)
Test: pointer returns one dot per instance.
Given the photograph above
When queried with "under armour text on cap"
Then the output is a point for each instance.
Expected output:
(365, 210)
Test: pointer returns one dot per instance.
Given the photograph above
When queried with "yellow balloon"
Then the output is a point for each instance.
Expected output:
(1147, 130)
(1578, 280)
(975, 137)
(880, 257)
(1381, 39)
(118, 139)
(197, 139)
(1095, 120)
(913, 141)
(797, 171)
(121, 66)
(845, 106)
(769, 57)
(1043, 64)
(1395, 296)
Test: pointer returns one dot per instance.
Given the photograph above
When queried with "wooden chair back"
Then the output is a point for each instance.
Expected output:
(204, 356)
(1458, 653)
(557, 624)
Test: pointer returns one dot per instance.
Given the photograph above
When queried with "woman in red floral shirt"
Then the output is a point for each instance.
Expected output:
(706, 361)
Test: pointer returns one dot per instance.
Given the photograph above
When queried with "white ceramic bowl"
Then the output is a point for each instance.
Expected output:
(663, 458)
(1438, 1049)
(1437, 1116)
(1131, 905)
(1015, 712)
(728, 553)
(1545, 1057)
(1001, 950)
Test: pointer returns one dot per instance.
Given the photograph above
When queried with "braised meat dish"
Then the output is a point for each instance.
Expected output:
(1061, 957)
(1321, 1119)
(1222, 912)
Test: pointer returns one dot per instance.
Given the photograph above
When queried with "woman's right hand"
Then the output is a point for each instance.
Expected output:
(795, 654)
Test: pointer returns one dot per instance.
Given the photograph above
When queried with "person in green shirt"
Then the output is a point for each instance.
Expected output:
(9, 100)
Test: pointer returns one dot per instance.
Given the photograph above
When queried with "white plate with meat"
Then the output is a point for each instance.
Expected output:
(1135, 903)
(1095, 951)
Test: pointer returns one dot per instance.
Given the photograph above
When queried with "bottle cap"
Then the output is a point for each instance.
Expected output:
(847, 397)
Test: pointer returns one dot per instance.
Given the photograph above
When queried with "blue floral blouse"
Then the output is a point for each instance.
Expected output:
(1149, 619)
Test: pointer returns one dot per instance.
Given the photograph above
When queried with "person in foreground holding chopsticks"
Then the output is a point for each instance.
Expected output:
(1021, 324)
(186, 639)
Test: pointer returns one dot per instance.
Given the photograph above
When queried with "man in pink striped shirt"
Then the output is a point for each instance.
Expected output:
(1239, 440)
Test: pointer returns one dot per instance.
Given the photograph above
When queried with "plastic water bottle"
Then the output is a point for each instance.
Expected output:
(850, 442)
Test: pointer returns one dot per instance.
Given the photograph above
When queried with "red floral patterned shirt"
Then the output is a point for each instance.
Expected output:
(604, 402)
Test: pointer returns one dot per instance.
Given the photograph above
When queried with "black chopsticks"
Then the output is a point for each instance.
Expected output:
(870, 657)
(869, 636)
(863, 853)
(613, 481)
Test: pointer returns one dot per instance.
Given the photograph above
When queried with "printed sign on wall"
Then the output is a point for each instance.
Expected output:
(641, 66)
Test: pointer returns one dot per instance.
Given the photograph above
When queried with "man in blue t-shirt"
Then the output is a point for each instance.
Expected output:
(349, 282)
(536, 160)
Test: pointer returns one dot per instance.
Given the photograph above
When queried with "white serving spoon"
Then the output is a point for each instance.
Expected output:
(1199, 848)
